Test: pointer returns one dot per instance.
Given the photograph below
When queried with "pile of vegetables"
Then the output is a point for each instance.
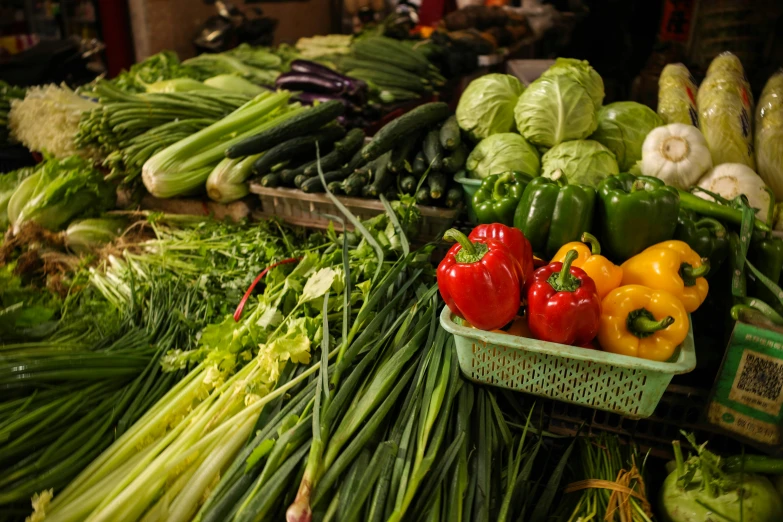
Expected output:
(414, 155)
(393, 71)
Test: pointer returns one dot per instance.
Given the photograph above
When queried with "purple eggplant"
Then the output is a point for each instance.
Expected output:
(296, 81)
(354, 86)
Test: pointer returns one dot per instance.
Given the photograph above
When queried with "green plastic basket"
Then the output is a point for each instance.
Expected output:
(620, 384)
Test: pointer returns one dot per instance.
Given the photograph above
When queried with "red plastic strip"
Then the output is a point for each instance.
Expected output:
(241, 307)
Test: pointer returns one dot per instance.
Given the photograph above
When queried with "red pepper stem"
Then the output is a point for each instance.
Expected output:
(565, 281)
(470, 252)
(590, 239)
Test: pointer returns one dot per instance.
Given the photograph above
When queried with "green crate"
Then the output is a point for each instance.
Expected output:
(625, 385)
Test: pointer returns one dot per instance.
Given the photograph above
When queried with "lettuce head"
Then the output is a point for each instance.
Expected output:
(622, 127)
(503, 152)
(582, 72)
(555, 109)
(769, 134)
(487, 105)
(585, 162)
(59, 191)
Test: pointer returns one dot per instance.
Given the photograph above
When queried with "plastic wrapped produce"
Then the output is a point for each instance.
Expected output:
(677, 95)
(725, 112)
(769, 134)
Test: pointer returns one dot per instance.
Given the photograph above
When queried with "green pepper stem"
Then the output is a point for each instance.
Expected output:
(590, 239)
(558, 176)
(643, 324)
(716, 226)
(499, 189)
(637, 185)
(470, 252)
(689, 273)
(564, 281)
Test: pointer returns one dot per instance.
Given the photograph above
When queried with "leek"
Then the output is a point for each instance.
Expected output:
(177, 85)
(226, 183)
(183, 167)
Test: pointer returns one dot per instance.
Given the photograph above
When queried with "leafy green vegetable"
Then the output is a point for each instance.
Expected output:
(501, 153)
(554, 109)
(769, 134)
(726, 112)
(59, 191)
(622, 127)
(486, 106)
(677, 95)
(583, 73)
(8, 184)
(583, 161)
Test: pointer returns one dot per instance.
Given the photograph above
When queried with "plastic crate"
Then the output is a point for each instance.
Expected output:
(620, 384)
(307, 210)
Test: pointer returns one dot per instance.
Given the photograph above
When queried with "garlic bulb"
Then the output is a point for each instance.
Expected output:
(677, 154)
(729, 180)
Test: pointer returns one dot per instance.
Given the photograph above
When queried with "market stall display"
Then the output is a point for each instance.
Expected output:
(159, 367)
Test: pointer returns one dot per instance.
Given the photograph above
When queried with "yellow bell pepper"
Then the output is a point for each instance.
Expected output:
(642, 322)
(606, 275)
(671, 266)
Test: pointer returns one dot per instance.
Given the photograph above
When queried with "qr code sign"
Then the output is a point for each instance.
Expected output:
(759, 382)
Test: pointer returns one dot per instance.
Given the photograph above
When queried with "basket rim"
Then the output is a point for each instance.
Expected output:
(686, 361)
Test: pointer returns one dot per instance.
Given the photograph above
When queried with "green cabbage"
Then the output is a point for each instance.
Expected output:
(586, 162)
(622, 127)
(8, 184)
(677, 95)
(725, 112)
(487, 105)
(553, 110)
(582, 72)
(500, 153)
(769, 134)
(59, 191)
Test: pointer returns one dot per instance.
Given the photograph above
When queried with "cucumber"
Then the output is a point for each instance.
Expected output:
(270, 180)
(423, 196)
(408, 184)
(397, 130)
(313, 185)
(398, 162)
(301, 178)
(393, 95)
(288, 176)
(454, 197)
(437, 184)
(335, 187)
(450, 136)
(391, 194)
(456, 162)
(295, 147)
(419, 164)
(383, 177)
(432, 150)
(352, 185)
(298, 125)
(347, 146)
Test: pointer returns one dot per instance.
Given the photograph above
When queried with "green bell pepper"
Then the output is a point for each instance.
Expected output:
(552, 213)
(766, 255)
(635, 212)
(498, 196)
(707, 236)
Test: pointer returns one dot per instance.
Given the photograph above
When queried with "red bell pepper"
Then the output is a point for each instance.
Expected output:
(516, 242)
(479, 281)
(562, 304)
